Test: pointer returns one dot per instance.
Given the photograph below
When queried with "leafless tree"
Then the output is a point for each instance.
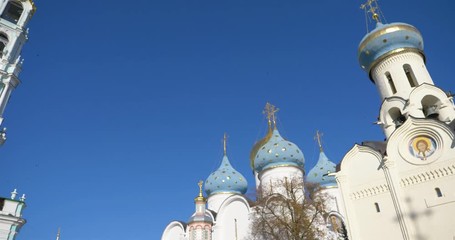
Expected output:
(290, 211)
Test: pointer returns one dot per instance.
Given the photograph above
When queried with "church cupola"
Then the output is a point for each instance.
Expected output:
(200, 223)
(225, 179)
(224, 182)
(392, 54)
(320, 172)
(274, 150)
(274, 158)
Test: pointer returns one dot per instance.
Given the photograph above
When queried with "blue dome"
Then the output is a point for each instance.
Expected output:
(387, 39)
(278, 152)
(226, 180)
(319, 172)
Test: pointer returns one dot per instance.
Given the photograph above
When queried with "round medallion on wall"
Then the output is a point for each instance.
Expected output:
(422, 147)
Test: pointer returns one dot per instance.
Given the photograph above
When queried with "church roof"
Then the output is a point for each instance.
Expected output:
(226, 180)
(318, 174)
(388, 39)
(278, 152)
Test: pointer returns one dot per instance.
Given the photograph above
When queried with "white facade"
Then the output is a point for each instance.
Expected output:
(404, 187)
(11, 219)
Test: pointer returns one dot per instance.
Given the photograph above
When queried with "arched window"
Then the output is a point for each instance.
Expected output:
(438, 192)
(410, 75)
(430, 106)
(12, 12)
(3, 42)
(396, 116)
(391, 84)
(376, 205)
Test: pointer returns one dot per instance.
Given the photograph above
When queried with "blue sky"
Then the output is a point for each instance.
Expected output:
(123, 106)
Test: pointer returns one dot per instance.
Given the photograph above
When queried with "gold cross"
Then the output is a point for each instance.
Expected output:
(371, 6)
(318, 138)
(270, 111)
(200, 187)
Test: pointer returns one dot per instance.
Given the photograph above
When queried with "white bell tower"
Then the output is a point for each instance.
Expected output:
(14, 16)
(392, 54)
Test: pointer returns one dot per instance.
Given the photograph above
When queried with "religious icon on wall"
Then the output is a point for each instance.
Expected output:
(335, 223)
(422, 147)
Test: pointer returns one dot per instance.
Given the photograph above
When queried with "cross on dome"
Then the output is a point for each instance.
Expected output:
(270, 111)
(318, 138)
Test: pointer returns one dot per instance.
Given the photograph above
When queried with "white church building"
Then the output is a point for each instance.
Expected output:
(399, 188)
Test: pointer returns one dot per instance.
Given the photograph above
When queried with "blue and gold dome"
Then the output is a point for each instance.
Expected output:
(226, 180)
(319, 173)
(387, 39)
(277, 152)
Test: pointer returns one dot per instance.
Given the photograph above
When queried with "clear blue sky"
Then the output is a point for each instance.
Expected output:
(123, 105)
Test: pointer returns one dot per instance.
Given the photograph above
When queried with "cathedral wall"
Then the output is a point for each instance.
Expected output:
(376, 217)
(431, 204)
(232, 221)
(215, 200)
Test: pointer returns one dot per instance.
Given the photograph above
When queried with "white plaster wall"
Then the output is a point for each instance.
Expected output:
(214, 201)
(272, 179)
(234, 209)
(174, 231)
(394, 65)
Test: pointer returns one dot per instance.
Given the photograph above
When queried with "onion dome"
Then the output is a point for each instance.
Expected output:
(201, 215)
(318, 174)
(387, 39)
(226, 179)
(277, 152)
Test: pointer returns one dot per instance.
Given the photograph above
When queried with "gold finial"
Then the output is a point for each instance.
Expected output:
(318, 138)
(224, 143)
(270, 111)
(200, 187)
(371, 6)
(200, 197)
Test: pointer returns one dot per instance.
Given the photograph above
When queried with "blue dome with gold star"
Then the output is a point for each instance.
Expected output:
(278, 152)
(226, 180)
(387, 39)
(319, 173)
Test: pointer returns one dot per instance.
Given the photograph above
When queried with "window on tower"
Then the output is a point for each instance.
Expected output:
(410, 75)
(3, 42)
(391, 84)
(12, 12)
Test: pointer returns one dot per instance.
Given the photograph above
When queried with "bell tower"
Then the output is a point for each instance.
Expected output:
(393, 56)
(14, 16)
